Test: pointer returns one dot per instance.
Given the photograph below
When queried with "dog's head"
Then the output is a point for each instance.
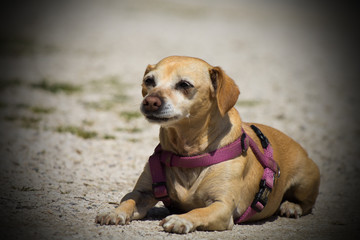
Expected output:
(179, 88)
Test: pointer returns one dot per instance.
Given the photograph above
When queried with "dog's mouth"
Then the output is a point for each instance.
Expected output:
(156, 119)
(165, 114)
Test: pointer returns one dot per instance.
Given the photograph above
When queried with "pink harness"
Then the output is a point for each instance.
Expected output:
(162, 158)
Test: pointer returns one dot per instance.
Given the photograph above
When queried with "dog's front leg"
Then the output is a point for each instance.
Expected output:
(134, 205)
(216, 217)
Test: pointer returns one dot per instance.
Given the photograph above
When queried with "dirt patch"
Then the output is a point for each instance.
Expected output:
(73, 141)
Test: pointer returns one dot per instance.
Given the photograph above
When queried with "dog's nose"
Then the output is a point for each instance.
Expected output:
(151, 103)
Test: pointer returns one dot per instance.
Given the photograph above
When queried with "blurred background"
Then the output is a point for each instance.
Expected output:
(70, 92)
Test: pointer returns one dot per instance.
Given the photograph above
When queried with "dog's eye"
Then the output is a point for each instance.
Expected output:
(149, 82)
(183, 85)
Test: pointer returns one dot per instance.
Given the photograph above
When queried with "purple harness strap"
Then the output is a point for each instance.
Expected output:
(162, 158)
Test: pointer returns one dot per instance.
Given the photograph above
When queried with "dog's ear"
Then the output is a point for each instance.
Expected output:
(148, 69)
(227, 92)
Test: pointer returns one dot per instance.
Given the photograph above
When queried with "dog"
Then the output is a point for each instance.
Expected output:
(193, 102)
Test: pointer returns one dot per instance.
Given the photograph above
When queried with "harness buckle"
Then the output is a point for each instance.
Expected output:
(264, 141)
(261, 197)
(244, 142)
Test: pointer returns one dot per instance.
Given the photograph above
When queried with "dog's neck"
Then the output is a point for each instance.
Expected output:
(195, 136)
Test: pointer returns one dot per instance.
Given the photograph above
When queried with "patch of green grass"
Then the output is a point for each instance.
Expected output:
(113, 86)
(120, 98)
(3, 105)
(87, 122)
(67, 88)
(78, 131)
(130, 115)
(26, 122)
(65, 192)
(26, 189)
(103, 105)
(106, 104)
(133, 140)
(30, 122)
(248, 103)
(110, 81)
(130, 130)
(16, 46)
(22, 106)
(6, 83)
(109, 137)
(42, 110)
(21, 45)
(10, 118)
(35, 109)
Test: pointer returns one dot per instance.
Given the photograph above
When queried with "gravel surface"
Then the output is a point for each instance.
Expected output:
(73, 141)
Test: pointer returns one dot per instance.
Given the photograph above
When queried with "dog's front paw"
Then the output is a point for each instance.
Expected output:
(177, 224)
(112, 218)
(290, 209)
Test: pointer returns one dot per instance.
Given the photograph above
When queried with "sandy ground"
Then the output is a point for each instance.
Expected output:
(73, 141)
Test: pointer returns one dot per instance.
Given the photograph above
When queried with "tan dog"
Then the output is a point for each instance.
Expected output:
(194, 104)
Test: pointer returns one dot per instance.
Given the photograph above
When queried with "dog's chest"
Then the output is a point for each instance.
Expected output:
(185, 186)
